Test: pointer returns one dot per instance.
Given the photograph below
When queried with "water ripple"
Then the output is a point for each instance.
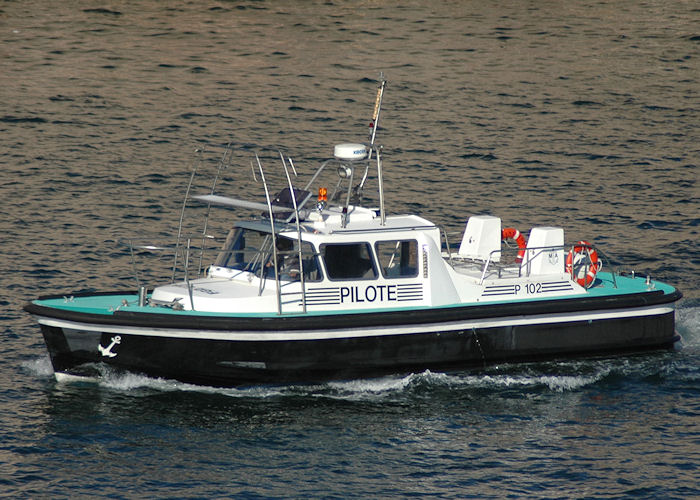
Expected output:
(546, 118)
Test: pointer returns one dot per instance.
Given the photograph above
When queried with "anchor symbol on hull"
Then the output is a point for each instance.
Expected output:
(107, 351)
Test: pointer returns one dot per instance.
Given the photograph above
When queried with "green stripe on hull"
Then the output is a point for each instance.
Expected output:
(107, 304)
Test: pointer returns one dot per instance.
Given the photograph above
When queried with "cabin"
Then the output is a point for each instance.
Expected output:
(349, 261)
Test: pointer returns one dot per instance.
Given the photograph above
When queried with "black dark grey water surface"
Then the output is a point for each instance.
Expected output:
(579, 114)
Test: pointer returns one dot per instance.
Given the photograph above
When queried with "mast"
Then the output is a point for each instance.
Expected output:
(373, 132)
(374, 124)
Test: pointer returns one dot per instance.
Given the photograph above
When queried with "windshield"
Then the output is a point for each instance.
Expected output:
(250, 250)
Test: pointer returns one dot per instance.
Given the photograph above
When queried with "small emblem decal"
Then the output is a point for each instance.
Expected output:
(107, 351)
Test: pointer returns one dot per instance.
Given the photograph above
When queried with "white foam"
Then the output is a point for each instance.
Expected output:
(357, 389)
(40, 366)
(374, 386)
(558, 383)
(132, 382)
(67, 378)
(688, 325)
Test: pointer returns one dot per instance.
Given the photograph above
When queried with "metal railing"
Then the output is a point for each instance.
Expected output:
(257, 262)
(524, 268)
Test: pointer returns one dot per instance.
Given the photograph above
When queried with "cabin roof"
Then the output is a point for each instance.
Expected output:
(362, 227)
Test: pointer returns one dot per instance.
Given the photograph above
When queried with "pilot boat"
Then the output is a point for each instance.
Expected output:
(312, 284)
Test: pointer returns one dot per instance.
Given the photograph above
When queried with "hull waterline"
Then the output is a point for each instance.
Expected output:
(376, 345)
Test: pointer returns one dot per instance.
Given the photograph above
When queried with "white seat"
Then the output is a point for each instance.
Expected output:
(482, 238)
(544, 253)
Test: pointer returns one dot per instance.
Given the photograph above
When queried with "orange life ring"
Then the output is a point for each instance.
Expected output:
(512, 233)
(575, 267)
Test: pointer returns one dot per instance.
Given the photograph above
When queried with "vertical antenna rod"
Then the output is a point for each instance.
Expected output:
(374, 125)
(373, 132)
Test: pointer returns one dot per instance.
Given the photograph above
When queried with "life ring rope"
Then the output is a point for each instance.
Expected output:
(510, 233)
(583, 272)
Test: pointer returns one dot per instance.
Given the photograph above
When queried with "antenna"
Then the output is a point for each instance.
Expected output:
(374, 124)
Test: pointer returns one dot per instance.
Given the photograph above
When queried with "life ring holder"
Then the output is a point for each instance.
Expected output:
(510, 233)
(580, 250)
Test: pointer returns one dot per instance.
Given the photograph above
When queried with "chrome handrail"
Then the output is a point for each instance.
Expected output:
(447, 244)
(525, 263)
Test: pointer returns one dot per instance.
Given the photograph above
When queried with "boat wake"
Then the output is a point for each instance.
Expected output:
(39, 367)
(376, 388)
(383, 388)
(688, 324)
(427, 382)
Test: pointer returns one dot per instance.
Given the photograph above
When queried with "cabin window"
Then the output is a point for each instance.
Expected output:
(398, 258)
(245, 249)
(249, 250)
(288, 259)
(348, 261)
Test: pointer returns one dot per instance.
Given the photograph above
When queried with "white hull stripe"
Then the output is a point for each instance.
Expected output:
(301, 335)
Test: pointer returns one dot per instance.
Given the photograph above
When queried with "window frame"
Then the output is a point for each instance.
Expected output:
(372, 261)
(383, 269)
(311, 256)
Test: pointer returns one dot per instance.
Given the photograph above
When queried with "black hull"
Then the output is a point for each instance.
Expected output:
(417, 316)
(244, 362)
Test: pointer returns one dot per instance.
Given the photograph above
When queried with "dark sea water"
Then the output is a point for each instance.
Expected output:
(584, 115)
